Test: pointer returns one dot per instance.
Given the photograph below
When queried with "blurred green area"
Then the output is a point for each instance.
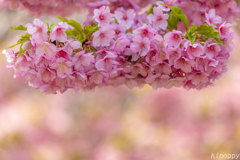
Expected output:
(116, 123)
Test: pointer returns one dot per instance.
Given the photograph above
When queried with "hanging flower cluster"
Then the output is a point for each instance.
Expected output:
(123, 50)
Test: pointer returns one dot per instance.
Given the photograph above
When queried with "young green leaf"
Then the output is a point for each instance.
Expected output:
(23, 39)
(76, 25)
(191, 34)
(50, 26)
(20, 27)
(179, 13)
(71, 32)
(209, 31)
(172, 21)
(62, 19)
(88, 29)
(21, 51)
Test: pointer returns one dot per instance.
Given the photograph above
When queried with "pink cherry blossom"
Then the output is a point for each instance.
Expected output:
(82, 59)
(144, 31)
(38, 30)
(198, 78)
(140, 45)
(212, 19)
(103, 37)
(120, 29)
(224, 30)
(173, 53)
(48, 50)
(184, 64)
(163, 68)
(167, 3)
(103, 16)
(195, 50)
(46, 74)
(107, 63)
(176, 82)
(158, 19)
(58, 32)
(173, 38)
(62, 66)
(157, 81)
(211, 49)
(126, 18)
(120, 44)
(72, 45)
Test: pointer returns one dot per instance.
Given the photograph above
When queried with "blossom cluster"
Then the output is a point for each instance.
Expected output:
(68, 7)
(195, 10)
(122, 50)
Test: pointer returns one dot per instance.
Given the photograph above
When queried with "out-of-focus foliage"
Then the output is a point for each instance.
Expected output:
(120, 124)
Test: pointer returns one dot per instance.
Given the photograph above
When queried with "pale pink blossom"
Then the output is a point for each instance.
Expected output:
(184, 64)
(126, 18)
(198, 78)
(48, 50)
(120, 44)
(173, 38)
(211, 49)
(62, 66)
(224, 30)
(158, 19)
(103, 37)
(176, 82)
(38, 30)
(103, 16)
(157, 81)
(212, 19)
(144, 31)
(140, 45)
(58, 32)
(193, 50)
(82, 59)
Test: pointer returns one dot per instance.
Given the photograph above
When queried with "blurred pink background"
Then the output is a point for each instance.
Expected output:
(116, 123)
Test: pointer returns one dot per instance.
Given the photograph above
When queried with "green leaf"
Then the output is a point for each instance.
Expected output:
(71, 32)
(62, 19)
(89, 29)
(21, 51)
(76, 25)
(178, 12)
(191, 34)
(23, 39)
(209, 31)
(50, 27)
(20, 27)
(172, 21)
(80, 37)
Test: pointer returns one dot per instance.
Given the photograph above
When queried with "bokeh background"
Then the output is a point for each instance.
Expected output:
(116, 123)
